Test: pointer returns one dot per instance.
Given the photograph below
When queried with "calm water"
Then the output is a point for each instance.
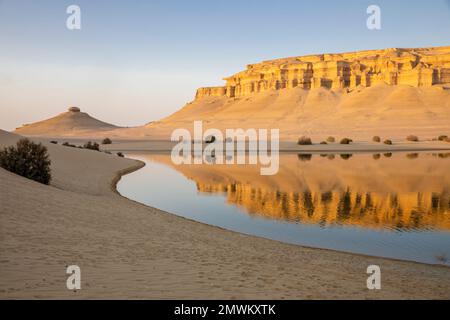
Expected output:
(390, 205)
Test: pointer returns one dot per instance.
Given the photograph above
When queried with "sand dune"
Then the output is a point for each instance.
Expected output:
(128, 250)
(70, 123)
(390, 111)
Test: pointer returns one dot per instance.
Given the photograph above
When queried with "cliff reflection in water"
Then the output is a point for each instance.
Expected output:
(394, 191)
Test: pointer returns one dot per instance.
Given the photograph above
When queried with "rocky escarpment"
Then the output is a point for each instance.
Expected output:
(421, 67)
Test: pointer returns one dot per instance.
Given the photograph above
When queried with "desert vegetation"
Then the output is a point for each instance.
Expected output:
(304, 141)
(120, 154)
(412, 138)
(66, 144)
(376, 139)
(91, 146)
(331, 139)
(388, 142)
(106, 141)
(27, 159)
(346, 141)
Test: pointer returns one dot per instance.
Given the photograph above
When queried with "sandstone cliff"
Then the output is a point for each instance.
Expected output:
(415, 67)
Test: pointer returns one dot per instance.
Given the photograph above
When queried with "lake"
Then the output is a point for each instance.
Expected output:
(394, 205)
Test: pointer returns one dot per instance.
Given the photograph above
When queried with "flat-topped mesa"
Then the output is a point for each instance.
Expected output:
(419, 67)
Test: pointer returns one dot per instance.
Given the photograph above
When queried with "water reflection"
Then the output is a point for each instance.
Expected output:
(392, 205)
(350, 190)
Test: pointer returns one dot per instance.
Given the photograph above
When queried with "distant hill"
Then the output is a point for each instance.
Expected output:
(70, 123)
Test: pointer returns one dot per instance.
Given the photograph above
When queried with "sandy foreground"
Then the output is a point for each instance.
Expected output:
(128, 250)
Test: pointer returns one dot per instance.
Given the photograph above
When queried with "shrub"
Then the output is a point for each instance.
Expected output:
(331, 139)
(412, 138)
(324, 142)
(346, 141)
(92, 146)
(376, 139)
(442, 138)
(447, 140)
(389, 142)
(120, 154)
(304, 141)
(54, 142)
(66, 144)
(106, 141)
(28, 159)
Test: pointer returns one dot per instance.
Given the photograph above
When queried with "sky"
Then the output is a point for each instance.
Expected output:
(134, 61)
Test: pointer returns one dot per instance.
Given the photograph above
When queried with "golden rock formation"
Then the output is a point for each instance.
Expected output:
(421, 67)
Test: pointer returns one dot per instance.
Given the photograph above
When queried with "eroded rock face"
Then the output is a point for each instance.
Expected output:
(415, 67)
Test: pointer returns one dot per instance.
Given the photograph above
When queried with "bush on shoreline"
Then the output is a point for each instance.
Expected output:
(388, 142)
(106, 141)
(331, 139)
(27, 159)
(376, 139)
(92, 146)
(412, 138)
(304, 141)
(346, 141)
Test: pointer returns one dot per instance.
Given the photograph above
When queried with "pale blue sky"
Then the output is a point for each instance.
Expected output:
(137, 61)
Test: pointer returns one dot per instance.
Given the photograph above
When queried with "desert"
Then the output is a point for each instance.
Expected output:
(342, 180)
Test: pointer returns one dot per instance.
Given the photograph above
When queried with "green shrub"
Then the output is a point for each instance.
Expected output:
(28, 159)
(304, 141)
(331, 139)
(412, 138)
(92, 146)
(389, 142)
(106, 141)
(376, 139)
(346, 141)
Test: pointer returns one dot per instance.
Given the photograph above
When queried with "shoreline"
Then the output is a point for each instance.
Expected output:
(129, 250)
(138, 167)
